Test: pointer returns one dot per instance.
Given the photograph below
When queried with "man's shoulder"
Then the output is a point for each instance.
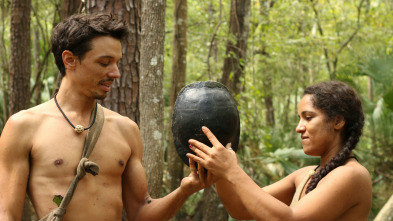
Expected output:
(22, 126)
(119, 120)
(29, 116)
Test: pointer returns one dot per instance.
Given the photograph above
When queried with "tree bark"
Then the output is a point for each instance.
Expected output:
(151, 92)
(36, 92)
(124, 95)
(267, 76)
(19, 64)
(68, 8)
(179, 64)
(236, 49)
(210, 207)
(19, 68)
(233, 70)
(4, 62)
(268, 97)
(39, 63)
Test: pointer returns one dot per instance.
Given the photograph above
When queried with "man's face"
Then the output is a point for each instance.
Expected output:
(94, 74)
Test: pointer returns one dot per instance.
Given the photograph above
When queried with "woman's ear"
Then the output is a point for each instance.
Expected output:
(339, 123)
(69, 59)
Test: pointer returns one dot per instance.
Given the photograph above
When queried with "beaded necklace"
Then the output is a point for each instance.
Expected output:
(78, 128)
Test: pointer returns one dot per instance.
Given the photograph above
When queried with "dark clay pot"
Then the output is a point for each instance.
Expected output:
(207, 104)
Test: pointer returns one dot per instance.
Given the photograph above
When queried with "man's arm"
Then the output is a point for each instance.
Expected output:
(137, 202)
(14, 167)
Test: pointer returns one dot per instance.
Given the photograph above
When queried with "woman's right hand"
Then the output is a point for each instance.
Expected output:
(219, 160)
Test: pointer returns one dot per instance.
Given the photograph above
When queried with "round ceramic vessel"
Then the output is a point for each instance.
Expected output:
(207, 104)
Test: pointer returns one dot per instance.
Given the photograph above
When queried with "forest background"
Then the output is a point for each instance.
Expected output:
(265, 51)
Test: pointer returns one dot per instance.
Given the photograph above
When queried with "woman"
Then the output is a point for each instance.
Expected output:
(330, 124)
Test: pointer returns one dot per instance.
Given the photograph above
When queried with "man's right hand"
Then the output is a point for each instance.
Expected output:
(197, 179)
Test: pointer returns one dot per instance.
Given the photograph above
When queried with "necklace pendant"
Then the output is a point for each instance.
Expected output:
(311, 172)
(79, 129)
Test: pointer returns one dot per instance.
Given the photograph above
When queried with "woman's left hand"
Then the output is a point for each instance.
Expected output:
(218, 160)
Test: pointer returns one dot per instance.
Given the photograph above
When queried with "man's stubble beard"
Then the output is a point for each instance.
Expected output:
(99, 96)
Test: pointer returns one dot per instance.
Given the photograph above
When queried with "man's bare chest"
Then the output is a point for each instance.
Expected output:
(57, 152)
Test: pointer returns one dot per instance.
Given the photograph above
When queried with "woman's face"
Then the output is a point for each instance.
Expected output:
(319, 137)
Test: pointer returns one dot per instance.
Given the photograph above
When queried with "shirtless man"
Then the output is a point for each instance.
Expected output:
(39, 149)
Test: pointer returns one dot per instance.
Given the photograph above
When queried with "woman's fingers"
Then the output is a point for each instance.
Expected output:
(201, 173)
(192, 166)
(204, 176)
(213, 139)
(201, 150)
(194, 159)
(229, 146)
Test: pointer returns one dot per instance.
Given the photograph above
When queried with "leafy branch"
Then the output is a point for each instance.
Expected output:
(213, 39)
(332, 66)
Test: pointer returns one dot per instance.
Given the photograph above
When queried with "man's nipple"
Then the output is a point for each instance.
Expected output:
(58, 162)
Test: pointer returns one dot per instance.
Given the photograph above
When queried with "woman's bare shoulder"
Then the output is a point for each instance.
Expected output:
(353, 177)
(299, 174)
(351, 171)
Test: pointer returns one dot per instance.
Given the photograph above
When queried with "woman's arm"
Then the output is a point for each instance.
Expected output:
(334, 196)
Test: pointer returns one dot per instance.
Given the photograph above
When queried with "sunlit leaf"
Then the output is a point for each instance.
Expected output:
(57, 199)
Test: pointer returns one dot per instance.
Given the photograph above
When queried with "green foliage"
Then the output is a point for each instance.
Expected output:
(388, 99)
(378, 134)
(57, 199)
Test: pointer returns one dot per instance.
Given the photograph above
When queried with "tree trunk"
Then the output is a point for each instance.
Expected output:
(4, 63)
(236, 49)
(36, 93)
(19, 65)
(19, 68)
(210, 207)
(268, 95)
(267, 76)
(68, 8)
(386, 213)
(179, 64)
(233, 70)
(151, 92)
(123, 97)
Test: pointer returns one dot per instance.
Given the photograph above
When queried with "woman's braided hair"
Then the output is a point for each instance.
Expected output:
(337, 99)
